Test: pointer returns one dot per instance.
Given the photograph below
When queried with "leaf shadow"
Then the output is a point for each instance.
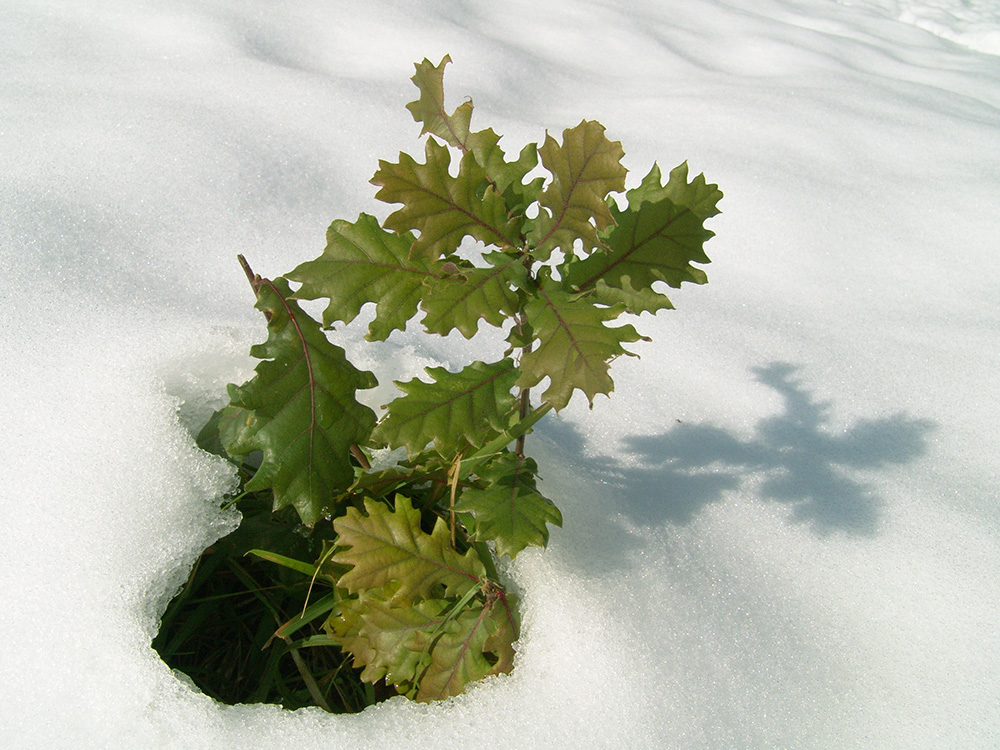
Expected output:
(795, 457)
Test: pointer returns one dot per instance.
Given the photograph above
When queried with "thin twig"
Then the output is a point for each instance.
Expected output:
(456, 469)
(361, 457)
(254, 279)
(525, 394)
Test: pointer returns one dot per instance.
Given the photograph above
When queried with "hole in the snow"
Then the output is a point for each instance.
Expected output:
(234, 629)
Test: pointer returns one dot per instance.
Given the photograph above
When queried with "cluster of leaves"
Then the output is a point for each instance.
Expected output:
(553, 261)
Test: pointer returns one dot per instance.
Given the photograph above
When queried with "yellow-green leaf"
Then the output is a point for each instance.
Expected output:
(444, 209)
(385, 547)
(585, 167)
(574, 346)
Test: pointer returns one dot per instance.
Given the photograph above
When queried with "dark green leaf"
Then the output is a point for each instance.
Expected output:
(299, 409)
(508, 509)
(656, 238)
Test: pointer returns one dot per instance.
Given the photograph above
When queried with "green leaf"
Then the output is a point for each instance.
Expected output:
(462, 300)
(457, 409)
(386, 547)
(442, 208)
(457, 655)
(656, 238)
(505, 177)
(364, 263)
(509, 510)
(221, 430)
(298, 566)
(585, 168)
(429, 109)
(699, 196)
(306, 616)
(496, 445)
(344, 626)
(299, 409)
(385, 482)
(378, 634)
(625, 296)
(574, 346)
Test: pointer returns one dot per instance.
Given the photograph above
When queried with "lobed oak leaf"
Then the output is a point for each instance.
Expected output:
(656, 238)
(474, 294)
(454, 129)
(574, 347)
(501, 641)
(364, 263)
(429, 109)
(389, 632)
(442, 208)
(299, 409)
(344, 625)
(698, 196)
(507, 178)
(457, 409)
(585, 168)
(624, 295)
(388, 547)
(508, 509)
(385, 482)
(457, 654)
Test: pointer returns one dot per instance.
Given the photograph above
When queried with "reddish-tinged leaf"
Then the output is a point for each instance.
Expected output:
(429, 109)
(444, 209)
(388, 547)
(457, 655)
(585, 168)
(574, 346)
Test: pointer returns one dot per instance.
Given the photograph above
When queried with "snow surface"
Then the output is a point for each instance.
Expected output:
(781, 531)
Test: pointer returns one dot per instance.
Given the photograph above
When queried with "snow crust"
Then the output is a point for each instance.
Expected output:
(781, 531)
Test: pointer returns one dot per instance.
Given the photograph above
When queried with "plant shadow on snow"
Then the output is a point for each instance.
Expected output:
(799, 461)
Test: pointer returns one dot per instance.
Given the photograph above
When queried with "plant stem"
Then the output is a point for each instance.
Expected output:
(525, 394)
(456, 468)
(361, 457)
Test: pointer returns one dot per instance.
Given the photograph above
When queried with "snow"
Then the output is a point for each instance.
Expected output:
(781, 530)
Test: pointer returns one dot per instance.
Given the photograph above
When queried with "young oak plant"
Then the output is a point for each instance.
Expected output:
(412, 591)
